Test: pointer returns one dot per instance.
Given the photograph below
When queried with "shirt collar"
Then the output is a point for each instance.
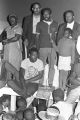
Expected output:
(48, 22)
(70, 25)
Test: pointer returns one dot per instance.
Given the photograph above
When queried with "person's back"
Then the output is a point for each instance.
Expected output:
(29, 114)
(66, 109)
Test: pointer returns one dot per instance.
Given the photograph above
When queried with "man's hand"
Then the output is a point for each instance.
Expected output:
(26, 42)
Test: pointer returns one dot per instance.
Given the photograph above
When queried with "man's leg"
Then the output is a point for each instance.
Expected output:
(73, 95)
(62, 79)
(65, 75)
(52, 61)
(3, 76)
(43, 54)
(10, 68)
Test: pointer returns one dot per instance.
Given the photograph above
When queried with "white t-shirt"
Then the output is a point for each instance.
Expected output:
(31, 69)
(36, 19)
(70, 25)
(66, 109)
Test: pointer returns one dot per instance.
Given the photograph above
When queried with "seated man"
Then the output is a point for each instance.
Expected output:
(26, 82)
(66, 109)
(29, 114)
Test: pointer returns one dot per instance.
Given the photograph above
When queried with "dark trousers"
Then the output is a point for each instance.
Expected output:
(17, 83)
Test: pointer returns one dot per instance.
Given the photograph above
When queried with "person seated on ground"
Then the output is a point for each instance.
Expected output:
(66, 109)
(19, 115)
(21, 103)
(5, 101)
(9, 116)
(26, 81)
(29, 114)
(1, 111)
(66, 48)
(52, 113)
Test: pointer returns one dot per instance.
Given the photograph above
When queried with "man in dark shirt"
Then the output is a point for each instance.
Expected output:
(46, 35)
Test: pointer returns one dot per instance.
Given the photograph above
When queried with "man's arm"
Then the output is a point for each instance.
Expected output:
(14, 39)
(25, 28)
(37, 77)
(21, 76)
(73, 53)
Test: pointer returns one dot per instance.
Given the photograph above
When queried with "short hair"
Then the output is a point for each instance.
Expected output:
(33, 49)
(29, 110)
(33, 4)
(46, 9)
(4, 98)
(69, 30)
(67, 11)
(58, 93)
(12, 15)
(21, 99)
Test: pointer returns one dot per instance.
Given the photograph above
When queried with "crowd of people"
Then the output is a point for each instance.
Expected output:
(26, 51)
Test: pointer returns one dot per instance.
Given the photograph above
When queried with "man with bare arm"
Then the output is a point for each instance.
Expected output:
(66, 49)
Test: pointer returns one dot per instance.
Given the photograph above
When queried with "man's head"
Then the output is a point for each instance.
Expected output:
(67, 33)
(58, 95)
(69, 16)
(46, 13)
(5, 100)
(36, 8)
(29, 114)
(33, 54)
(12, 19)
(21, 103)
(19, 115)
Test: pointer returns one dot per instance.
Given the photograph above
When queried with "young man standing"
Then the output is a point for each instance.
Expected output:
(29, 25)
(46, 35)
(66, 49)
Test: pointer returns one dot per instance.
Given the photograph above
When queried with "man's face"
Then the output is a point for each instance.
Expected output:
(46, 15)
(33, 56)
(66, 34)
(69, 17)
(12, 21)
(36, 9)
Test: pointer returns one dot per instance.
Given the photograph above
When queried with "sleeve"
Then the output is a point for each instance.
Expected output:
(73, 53)
(40, 66)
(54, 27)
(78, 45)
(19, 30)
(23, 64)
(25, 28)
(60, 33)
(38, 28)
